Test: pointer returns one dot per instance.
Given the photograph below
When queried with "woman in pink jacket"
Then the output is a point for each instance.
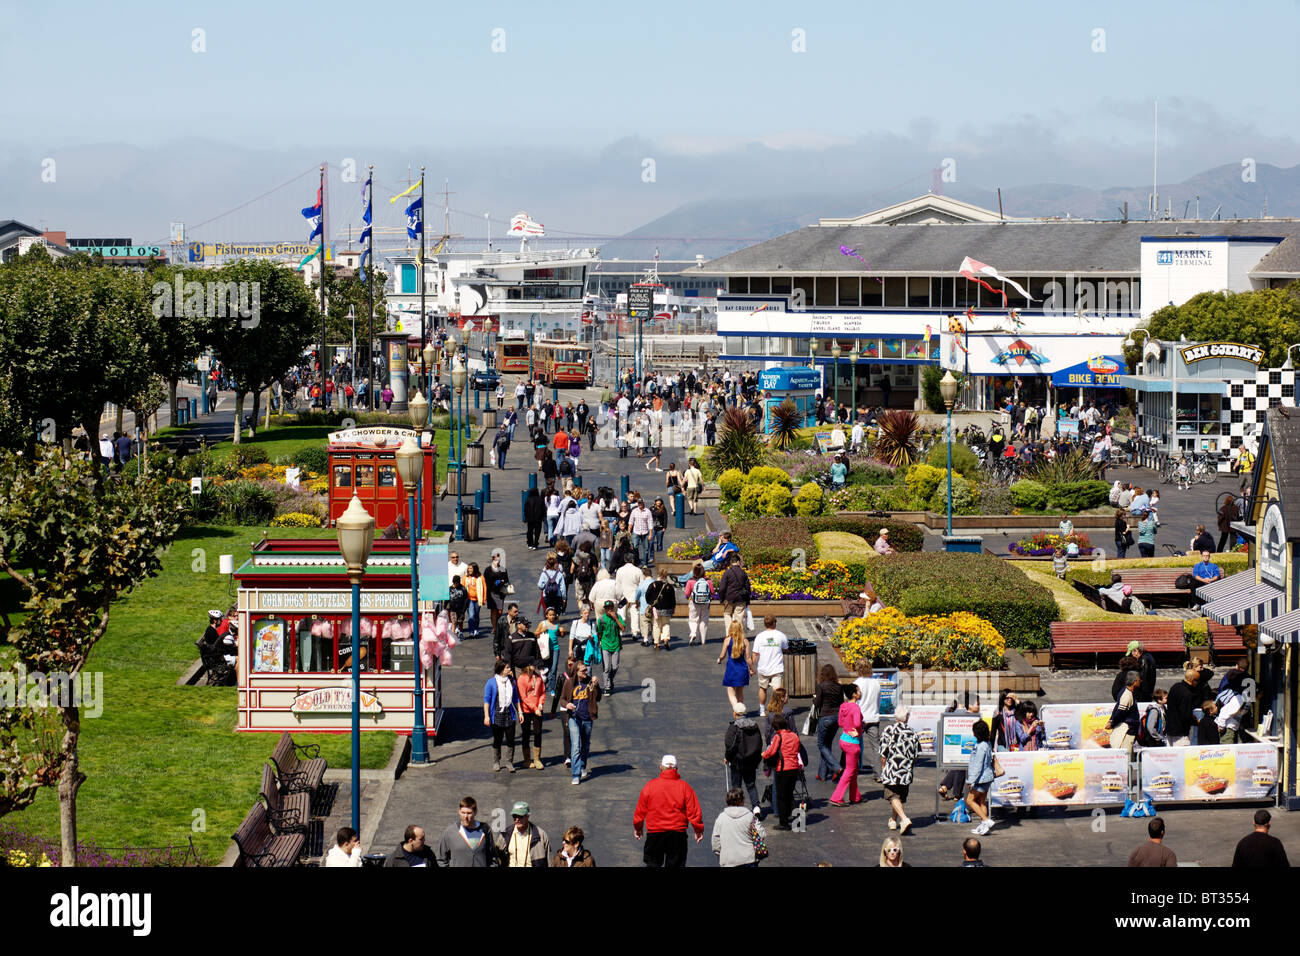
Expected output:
(850, 718)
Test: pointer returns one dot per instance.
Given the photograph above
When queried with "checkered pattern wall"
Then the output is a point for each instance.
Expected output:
(1243, 415)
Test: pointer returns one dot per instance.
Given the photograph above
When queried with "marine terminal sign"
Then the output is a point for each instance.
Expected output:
(1206, 350)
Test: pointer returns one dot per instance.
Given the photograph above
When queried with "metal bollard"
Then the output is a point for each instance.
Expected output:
(476, 398)
(523, 501)
(478, 503)
(487, 487)
(577, 481)
(680, 501)
(623, 486)
(532, 479)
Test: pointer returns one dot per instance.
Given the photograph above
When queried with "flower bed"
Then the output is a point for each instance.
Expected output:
(699, 546)
(820, 581)
(960, 641)
(1044, 544)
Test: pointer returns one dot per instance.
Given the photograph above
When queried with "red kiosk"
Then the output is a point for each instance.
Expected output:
(363, 462)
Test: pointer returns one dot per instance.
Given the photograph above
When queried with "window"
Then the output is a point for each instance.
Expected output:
(918, 293)
(1275, 378)
(1014, 299)
(1249, 403)
(1237, 390)
(1238, 416)
(365, 476)
(387, 476)
(825, 292)
(940, 293)
(1288, 390)
(342, 476)
(804, 284)
(850, 289)
(781, 285)
(758, 285)
(872, 292)
(895, 292)
(738, 285)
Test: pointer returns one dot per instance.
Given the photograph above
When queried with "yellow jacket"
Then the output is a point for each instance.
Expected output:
(477, 588)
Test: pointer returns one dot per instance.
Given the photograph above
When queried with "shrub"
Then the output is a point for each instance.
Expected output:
(730, 483)
(958, 641)
(1045, 543)
(963, 500)
(931, 376)
(964, 461)
(1029, 495)
(751, 499)
(1075, 496)
(738, 444)
(773, 540)
(896, 437)
(941, 583)
(246, 502)
(786, 420)
(295, 519)
(902, 535)
(847, 549)
(808, 501)
(1074, 465)
(766, 475)
(871, 472)
(776, 500)
(245, 456)
(313, 458)
(994, 500)
(922, 480)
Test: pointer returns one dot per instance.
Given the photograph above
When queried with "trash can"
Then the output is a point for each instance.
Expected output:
(489, 418)
(469, 525)
(374, 859)
(800, 660)
(474, 454)
(455, 474)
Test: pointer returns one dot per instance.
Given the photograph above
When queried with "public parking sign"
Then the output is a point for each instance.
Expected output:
(640, 301)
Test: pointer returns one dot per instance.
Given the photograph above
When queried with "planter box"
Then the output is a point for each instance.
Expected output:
(1041, 657)
(761, 609)
(1018, 677)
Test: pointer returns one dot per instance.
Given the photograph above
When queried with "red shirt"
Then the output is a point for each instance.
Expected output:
(667, 804)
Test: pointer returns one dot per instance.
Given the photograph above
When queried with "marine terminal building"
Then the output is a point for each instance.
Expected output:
(886, 284)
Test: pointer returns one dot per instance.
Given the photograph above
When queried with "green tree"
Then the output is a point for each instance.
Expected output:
(71, 546)
(180, 330)
(257, 353)
(1267, 318)
(344, 295)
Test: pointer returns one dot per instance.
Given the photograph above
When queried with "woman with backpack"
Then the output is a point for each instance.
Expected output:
(585, 565)
(548, 633)
(743, 752)
(661, 599)
(699, 593)
(735, 649)
(551, 591)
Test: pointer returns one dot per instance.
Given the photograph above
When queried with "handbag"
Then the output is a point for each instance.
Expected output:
(749, 624)
(510, 589)
(759, 841)
(998, 770)
(809, 723)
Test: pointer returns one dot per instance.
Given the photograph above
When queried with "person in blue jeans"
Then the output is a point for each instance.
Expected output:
(580, 698)
(826, 702)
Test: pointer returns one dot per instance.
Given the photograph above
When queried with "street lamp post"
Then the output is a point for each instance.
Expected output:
(356, 536)
(835, 356)
(948, 388)
(853, 379)
(458, 376)
(410, 466)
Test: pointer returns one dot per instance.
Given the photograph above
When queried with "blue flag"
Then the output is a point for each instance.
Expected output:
(367, 200)
(415, 219)
(314, 215)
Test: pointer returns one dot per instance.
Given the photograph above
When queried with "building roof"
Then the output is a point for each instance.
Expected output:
(1044, 247)
(10, 227)
(1283, 260)
(1282, 436)
(930, 208)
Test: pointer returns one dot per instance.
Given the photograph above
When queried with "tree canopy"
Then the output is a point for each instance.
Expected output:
(1267, 318)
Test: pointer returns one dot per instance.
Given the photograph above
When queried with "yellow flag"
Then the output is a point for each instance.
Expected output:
(408, 191)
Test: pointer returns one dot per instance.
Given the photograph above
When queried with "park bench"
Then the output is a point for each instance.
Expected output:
(1072, 639)
(1157, 584)
(1103, 601)
(258, 846)
(1225, 643)
(296, 774)
(289, 812)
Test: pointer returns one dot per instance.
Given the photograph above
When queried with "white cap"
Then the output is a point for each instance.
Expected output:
(668, 761)
(739, 709)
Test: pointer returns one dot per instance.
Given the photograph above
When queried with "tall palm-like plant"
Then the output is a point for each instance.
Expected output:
(1074, 465)
(738, 444)
(896, 440)
(786, 422)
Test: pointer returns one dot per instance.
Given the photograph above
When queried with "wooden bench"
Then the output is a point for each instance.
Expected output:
(258, 846)
(1157, 584)
(1224, 640)
(296, 774)
(1080, 638)
(1103, 601)
(289, 812)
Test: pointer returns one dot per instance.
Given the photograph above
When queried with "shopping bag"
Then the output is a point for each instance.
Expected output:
(959, 813)
(749, 623)
(1138, 808)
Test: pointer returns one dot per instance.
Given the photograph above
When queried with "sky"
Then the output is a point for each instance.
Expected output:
(597, 117)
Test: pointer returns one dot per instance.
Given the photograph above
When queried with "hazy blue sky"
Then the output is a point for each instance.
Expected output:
(562, 120)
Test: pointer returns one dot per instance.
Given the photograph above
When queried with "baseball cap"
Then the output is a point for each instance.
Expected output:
(520, 809)
(1133, 646)
(215, 615)
(668, 761)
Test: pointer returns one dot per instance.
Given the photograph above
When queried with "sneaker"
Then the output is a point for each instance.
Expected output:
(762, 711)
(496, 765)
(585, 773)
(986, 827)
(574, 781)
(758, 811)
(979, 830)
(893, 824)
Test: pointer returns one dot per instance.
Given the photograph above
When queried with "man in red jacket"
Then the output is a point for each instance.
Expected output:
(666, 806)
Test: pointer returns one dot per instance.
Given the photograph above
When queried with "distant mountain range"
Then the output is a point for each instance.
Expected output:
(714, 227)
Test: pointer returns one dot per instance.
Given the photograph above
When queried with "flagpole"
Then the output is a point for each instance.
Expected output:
(370, 297)
(322, 287)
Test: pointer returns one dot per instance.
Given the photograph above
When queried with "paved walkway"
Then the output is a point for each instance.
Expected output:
(674, 703)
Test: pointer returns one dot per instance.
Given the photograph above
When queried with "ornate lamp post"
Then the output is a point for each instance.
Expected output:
(835, 357)
(356, 536)
(853, 372)
(948, 388)
(458, 376)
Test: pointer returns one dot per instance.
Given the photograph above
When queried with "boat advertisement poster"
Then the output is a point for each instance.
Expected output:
(1079, 726)
(924, 719)
(1208, 774)
(1038, 778)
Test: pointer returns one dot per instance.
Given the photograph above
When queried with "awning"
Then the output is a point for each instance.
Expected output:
(1100, 371)
(1248, 605)
(1284, 629)
(1225, 586)
(1186, 386)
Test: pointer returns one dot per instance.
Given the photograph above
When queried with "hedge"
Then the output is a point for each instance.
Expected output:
(774, 540)
(904, 536)
(942, 583)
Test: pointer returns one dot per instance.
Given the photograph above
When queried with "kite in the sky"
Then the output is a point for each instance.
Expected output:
(758, 310)
(853, 253)
(972, 269)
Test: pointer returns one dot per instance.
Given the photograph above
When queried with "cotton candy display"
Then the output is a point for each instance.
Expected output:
(436, 639)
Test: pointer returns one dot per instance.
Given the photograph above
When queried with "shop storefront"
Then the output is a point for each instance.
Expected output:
(1263, 602)
(1047, 370)
(799, 384)
(1183, 391)
(295, 639)
(363, 462)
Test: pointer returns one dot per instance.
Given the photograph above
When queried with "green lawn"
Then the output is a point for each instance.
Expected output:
(160, 752)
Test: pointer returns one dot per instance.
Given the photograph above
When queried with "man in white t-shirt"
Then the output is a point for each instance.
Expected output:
(769, 646)
(870, 705)
(456, 566)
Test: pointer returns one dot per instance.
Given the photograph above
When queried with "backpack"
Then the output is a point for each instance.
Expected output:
(1151, 731)
(458, 599)
(700, 591)
(748, 746)
(582, 569)
(552, 590)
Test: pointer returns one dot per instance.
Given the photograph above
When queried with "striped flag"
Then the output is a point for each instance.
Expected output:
(315, 216)
(367, 200)
(972, 269)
